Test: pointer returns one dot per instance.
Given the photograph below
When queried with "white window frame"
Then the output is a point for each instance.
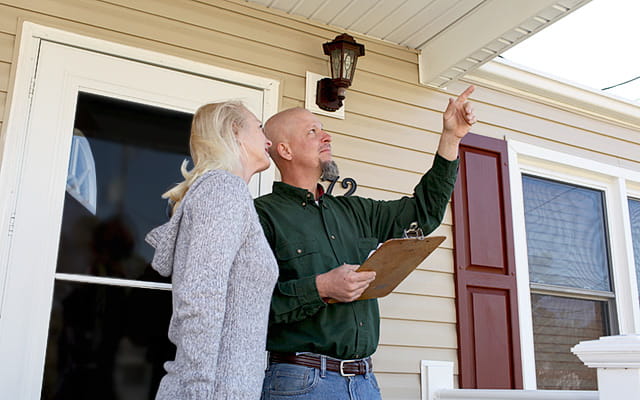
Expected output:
(617, 184)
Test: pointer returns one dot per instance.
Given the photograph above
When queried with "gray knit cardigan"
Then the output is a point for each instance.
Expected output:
(223, 275)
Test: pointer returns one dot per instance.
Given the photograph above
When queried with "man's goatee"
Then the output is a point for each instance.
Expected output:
(329, 171)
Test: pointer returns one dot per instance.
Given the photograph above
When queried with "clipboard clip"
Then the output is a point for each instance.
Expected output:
(414, 232)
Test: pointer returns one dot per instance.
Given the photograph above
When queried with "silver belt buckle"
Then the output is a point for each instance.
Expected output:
(342, 366)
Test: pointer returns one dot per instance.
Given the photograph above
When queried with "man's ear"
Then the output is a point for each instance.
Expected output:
(284, 151)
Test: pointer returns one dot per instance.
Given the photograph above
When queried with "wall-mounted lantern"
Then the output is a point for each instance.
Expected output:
(344, 53)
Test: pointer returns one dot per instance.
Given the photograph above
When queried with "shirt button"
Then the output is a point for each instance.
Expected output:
(333, 237)
(299, 251)
(357, 355)
(304, 204)
(308, 195)
(361, 323)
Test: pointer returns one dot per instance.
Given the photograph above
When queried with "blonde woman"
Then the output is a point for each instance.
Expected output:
(223, 271)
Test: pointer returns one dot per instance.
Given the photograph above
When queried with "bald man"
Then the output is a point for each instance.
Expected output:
(321, 350)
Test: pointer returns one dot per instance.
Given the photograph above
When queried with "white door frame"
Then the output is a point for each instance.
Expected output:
(26, 376)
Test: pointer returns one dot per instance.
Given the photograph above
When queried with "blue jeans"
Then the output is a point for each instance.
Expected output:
(297, 382)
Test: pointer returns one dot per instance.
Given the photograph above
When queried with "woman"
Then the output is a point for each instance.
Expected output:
(223, 271)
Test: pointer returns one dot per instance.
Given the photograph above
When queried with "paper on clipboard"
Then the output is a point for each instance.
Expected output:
(394, 260)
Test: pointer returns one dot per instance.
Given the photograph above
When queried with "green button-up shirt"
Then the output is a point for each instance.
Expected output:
(311, 238)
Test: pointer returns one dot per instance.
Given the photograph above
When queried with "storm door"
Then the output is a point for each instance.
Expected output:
(85, 316)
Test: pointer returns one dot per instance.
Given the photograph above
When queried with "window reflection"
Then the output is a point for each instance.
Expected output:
(81, 176)
(560, 323)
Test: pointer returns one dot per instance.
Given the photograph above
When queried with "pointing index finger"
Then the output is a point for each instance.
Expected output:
(463, 97)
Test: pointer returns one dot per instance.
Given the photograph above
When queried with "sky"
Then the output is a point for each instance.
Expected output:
(596, 46)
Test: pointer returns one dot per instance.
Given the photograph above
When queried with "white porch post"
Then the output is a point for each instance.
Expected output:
(618, 361)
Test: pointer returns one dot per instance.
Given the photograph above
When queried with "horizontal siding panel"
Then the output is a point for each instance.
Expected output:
(8, 20)
(418, 308)
(379, 177)
(447, 232)
(393, 111)
(380, 154)
(441, 260)
(431, 283)
(418, 333)
(399, 386)
(407, 359)
(3, 103)
(405, 92)
(159, 29)
(6, 47)
(216, 17)
(380, 130)
(5, 72)
(146, 43)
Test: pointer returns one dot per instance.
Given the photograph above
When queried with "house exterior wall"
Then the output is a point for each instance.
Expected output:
(386, 142)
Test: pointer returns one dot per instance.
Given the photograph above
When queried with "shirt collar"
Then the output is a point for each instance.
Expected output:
(295, 192)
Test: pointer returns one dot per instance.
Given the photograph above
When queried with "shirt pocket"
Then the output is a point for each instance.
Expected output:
(298, 259)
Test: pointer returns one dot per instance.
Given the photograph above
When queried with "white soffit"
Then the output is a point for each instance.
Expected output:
(453, 36)
(485, 32)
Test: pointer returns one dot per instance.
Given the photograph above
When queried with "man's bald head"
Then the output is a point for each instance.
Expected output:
(299, 144)
(281, 126)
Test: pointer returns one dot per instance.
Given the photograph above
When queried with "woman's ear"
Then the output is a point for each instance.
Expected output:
(284, 151)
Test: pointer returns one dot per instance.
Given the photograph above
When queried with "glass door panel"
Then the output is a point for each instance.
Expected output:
(110, 313)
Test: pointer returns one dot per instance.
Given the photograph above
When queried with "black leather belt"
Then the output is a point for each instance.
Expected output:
(344, 367)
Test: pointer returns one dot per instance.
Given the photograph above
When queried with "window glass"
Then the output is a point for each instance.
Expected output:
(566, 234)
(567, 249)
(560, 323)
(634, 213)
(124, 156)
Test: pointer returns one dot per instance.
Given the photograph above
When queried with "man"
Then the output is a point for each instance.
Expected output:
(320, 350)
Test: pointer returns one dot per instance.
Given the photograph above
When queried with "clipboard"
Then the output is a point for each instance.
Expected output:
(394, 260)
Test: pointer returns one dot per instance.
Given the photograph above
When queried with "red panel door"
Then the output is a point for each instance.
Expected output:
(486, 301)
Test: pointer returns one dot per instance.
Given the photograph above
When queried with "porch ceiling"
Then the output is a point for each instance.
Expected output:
(453, 37)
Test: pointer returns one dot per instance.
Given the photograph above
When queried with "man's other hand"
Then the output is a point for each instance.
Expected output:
(343, 283)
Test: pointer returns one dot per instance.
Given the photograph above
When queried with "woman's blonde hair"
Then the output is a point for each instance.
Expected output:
(213, 144)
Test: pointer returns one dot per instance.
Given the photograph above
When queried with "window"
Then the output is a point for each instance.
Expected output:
(569, 273)
(634, 215)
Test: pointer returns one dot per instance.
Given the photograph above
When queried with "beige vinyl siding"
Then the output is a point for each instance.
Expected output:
(386, 142)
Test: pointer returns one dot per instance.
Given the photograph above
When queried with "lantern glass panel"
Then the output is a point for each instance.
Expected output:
(336, 67)
(348, 64)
